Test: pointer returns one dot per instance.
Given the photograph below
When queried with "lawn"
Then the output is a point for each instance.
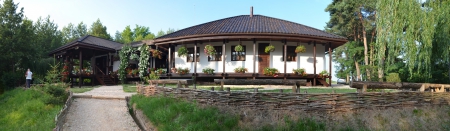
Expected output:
(131, 88)
(83, 89)
(315, 90)
(31, 109)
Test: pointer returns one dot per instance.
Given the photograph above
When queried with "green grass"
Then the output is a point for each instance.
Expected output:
(83, 89)
(315, 90)
(31, 109)
(131, 88)
(169, 114)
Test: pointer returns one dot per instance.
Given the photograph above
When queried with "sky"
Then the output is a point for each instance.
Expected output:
(176, 14)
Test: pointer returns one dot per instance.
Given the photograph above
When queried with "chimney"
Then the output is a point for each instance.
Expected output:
(251, 11)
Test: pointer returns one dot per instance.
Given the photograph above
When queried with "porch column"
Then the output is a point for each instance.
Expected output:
(80, 67)
(314, 52)
(329, 61)
(284, 57)
(223, 59)
(254, 58)
(195, 64)
(169, 59)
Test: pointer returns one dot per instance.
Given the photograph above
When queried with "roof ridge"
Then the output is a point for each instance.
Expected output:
(83, 38)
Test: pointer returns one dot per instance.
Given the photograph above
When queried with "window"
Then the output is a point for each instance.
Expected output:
(218, 56)
(291, 55)
(237, 56)
(190, 55)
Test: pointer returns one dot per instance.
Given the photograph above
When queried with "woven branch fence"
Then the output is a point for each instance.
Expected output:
(299, 101)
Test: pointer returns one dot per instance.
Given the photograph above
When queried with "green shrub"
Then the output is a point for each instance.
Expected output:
(12, 79)
(393, 77)
(57, 93)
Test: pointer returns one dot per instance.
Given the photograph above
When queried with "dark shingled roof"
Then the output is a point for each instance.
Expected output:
(244, 24)
(91, 41)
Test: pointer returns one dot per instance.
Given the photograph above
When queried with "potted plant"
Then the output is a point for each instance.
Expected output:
(239, 48)
(182, 71)
(135, 72)
(209, 50)
(270, 71)
(160, 71)
(208, 70)
(174, 70)
(269, 48)
(240, 70)
(156, 53)
(300, 49)
(182, 51)
(323, 74)
(299, 71)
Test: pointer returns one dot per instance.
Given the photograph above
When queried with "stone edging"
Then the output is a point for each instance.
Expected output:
(139, 117)
(59, 119)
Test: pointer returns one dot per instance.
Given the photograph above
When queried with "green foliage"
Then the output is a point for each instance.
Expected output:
(393, 77)
(270, 71)
(97, 29)
(53, 75)
(209, 50)
(169, 114)
(239, 48)
(72, 32)
(31, 109)
(12, 79)
(269, 48)
(299, 71)
(153, 76)
(183, 71)
(124, 55)
(161, 71)
(143, 60)
(208, 70)
(300, 49)
(182, 51)
(130, 88)
(240, 70)
(156, 53)
(324, 72)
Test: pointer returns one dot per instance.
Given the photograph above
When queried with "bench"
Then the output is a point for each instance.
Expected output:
(179, 82)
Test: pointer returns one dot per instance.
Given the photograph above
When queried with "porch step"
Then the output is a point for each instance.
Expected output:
(323, 82)
(105, 80)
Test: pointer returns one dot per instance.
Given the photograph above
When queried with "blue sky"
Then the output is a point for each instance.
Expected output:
(176, 14)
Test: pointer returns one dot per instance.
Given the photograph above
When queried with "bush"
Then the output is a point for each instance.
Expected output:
(12, 79)
(393, 77)
(57, 92)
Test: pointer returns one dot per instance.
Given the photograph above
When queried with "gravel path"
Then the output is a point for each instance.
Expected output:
(100, 114)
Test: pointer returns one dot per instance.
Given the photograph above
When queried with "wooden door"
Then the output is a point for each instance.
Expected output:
(263, 57)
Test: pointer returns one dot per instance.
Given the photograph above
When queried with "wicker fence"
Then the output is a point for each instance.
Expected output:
(300, 101)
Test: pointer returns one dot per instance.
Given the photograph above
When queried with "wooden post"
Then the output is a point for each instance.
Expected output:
(80, 79)
(195, 65)
(329, 61)
(281, 90)
(294, 89)
(284, 57)
(314, 53)
(212, 88)
(254, 58)
(223, 59)
(228, 89)
(256, 89)
(170, 60)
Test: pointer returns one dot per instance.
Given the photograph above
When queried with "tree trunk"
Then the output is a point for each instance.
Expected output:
(366, 56)
(381, 65)
(358, 72)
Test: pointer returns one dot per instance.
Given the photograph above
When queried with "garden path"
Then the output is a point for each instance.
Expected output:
(89, 114)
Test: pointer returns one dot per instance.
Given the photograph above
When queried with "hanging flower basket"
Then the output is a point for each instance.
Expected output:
(239, 48)
(209, 50)
(300, 49)
(182, 51)
(269, 48)
(156, 53)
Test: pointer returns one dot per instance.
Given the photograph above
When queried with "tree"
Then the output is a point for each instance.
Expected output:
(97, 29)
(142, 33)
(352, 19)
(127, 35)
(47, 36)
(70, 32)
(417, 32)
